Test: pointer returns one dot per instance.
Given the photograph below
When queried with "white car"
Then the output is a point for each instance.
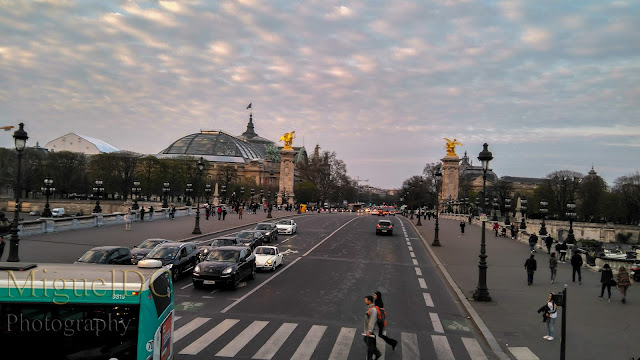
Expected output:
(268, 258)
(287, 226)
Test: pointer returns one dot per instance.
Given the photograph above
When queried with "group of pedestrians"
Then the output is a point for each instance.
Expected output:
(376, 315)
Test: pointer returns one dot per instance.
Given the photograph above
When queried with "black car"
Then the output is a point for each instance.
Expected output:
(118, 255)
(250, 238)
(181, 257)
(226, 265)
(215, 243)
(140, 251)
(269, 231)
(384, 227)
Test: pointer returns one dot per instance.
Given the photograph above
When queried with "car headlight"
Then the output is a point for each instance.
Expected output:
(269, 262)
(170, 266)
(267, 233)
(197, 269)
(227, 270)
(206, 251)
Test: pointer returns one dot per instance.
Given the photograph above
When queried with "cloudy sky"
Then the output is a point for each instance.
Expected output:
(549, 85)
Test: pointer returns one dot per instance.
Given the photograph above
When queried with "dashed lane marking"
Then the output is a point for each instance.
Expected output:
(186, 286)
(427, 299)
(418, 271)
(412, 254)
(410, 248)
(415, 262)
(423, 284)
(435, 320)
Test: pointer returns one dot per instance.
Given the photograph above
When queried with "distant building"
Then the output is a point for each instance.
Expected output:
(80, 144)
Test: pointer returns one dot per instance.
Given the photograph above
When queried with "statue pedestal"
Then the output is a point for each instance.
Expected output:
(286, 175)
(450, 178)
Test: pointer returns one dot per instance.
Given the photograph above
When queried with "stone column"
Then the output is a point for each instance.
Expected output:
(286, 175)
(216, 199)
(450, 177)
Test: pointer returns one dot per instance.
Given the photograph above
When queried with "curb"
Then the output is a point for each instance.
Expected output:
(482, 327)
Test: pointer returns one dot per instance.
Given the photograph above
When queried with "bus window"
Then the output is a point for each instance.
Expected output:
(161, 293)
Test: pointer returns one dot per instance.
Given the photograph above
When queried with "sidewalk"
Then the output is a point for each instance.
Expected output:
(596, 329)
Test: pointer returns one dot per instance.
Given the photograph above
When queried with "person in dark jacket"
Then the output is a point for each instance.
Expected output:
(531, 266)
(576, 265)
(553, 266)
(377, 296)
(561, 248)
(605, 280)
(462, 224)
(533, 240)
(548, 241)
(1, 246)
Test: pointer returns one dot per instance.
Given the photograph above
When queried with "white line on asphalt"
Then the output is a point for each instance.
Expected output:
(412, 254)
(309, 343)
(176, 318)
(427, 299)
(215, 291)
(269, 349)
(423, 285)
(441, 345)
(234, 347)
(418, 271)
(283, 270)
(189, 327)
(523, 353)
(208, 297)
(437, 325)
(195, 347)
(186, 286)
(410, 248)
(474, 349)
(410, 348)
(343, 344)
(183, 295)
(415, 262)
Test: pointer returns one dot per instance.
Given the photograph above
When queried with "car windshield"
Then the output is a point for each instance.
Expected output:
(265, 251)
(245, 241)
(245, 235)
(95, 256)
(263, 227)
(149, 244)
(284, 222)
(385, 223)
(221, 242)
(224, 255)
(163, 253)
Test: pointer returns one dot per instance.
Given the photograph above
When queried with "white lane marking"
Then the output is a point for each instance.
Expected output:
(418, 271)
(423, 284)
(269, 349)
(441, 345)
(195, 347)
(474, 349)
(415, 262)
(283, 270)
(427, 299)
(234, 347)
(523, 353)
(437, 325)
(189, 327)
(342, 346)
(309, 343)
(186, 286)
(176, 318)
(412, 254)
(410, 248)
(409, 348)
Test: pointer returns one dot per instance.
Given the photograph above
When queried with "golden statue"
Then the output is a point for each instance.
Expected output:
(451, 147)
(288, 139)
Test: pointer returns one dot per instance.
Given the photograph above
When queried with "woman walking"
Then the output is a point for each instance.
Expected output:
(553, 266)
(605, 279)
(377, 296)
(623, 282)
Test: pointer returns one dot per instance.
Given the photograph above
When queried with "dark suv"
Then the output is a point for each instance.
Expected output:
(250, 238)
(269, 231)
(118, 255)
(384, 227)
(226, 265)
(181, 257)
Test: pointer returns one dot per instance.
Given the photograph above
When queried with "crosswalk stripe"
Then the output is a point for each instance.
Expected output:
(474, 349)
(410, 349)
(343, 344)
(427, 299)
(412, 254)
(381, 345)
(243, 339)
(523, 353)
(418, 271)
(435, 320)
(415, 262)
(410, 248)
(189, 327)
(423, 285)
(195, 347)
(269, 349)
(309, 343)
(441, 345)
(176, 318)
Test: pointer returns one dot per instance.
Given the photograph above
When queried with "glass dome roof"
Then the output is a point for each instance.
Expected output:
(214, 143)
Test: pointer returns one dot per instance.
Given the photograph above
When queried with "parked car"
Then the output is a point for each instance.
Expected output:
(117, 255)
(226, 265)
(250, 238)
(268, 230)
(140, 251)
(57, 212)
(180, 257)
(203, 251)
(286, 226)
(34, 213)
(268, 257)
(384, 227)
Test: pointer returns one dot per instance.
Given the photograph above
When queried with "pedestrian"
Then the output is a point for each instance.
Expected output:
(142, 213)
(370, 319)
(533, 240)
(429, 215)
(172, 212)
(550, 313)
(1, 246)
(207, 211)
(224, 213)
(624, 281)
(548, 241)
(513, 231)
(151, 210)
(606, 279)
(127, 220)
(576, 265)
(240, 212)
(562, 249)
(219, 212)
(553, 266)
(496, 227)
(470, 218)
(462, 227)
(531, 266)
(382, 323)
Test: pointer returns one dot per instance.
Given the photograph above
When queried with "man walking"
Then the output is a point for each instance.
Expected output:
(142, 213)
(239, 212)
(219, 212)
(576, 264)
(150, 213)
(531, 266)
(533, 240)
(370, 318)
(462, 224)
(548, 241)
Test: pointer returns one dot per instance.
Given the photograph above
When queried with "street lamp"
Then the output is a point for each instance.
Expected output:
(20, 138)
(507, 209)
(196, 229)
(438, 176)
(269, 205)
(523, 210)
(207, 191)
(466, 205)
(253, 192)
(188, 191)
(223, 191)
(571, 214)
(47, 190)
(495, 209)
(420, 207)
(543, 211)
(165, 191)
(98, 190)
(242, 194)
(482, 293)
(135, 190)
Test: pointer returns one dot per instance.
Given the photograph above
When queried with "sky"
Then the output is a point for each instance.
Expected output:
(549, 85)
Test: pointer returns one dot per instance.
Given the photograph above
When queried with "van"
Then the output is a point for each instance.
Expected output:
(57, 212)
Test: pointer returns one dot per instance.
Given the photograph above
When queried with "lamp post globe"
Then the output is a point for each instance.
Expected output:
(523, 210)
(47, 190)
(135, 190)
(20, 139)
(438, 176)
(165, 192)
(98, 190)
(543, 211)
(482, 293)
(188, 192)
(571, 214)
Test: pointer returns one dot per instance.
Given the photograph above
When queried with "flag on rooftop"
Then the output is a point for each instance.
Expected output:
(249, 106)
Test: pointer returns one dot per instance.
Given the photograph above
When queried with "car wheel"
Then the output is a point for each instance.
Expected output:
(197, 284)
(253, 273)
(236, 282)
(175, 274)
(390, 233)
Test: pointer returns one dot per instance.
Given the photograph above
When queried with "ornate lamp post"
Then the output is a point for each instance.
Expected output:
(523, 210)
(478, 205)
(438, 176)
(495, 209)
(419, 223)
(269, 204)
(253, 192)
(196, 229)
(466, 205)
(411, 191)
(242, 194)
(188, 192)
(543, 211)
(571, 214)
(98, 190)
(261, 195)
(223, 191)
(135, 190)
(207, 191)
(165, 192)
(482, 293)
(507, 209)
(20, 138)
(47, 190)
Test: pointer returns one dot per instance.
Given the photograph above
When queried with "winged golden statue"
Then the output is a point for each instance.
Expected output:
(451, 146)
(288, 139)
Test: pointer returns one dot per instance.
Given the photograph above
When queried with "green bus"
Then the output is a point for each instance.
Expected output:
(86, 311)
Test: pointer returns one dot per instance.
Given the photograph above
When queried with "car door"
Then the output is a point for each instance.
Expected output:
(124, 256)
(257, 238)
(278, 257)
(113, 257)
(242, 261)
(183, 260)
